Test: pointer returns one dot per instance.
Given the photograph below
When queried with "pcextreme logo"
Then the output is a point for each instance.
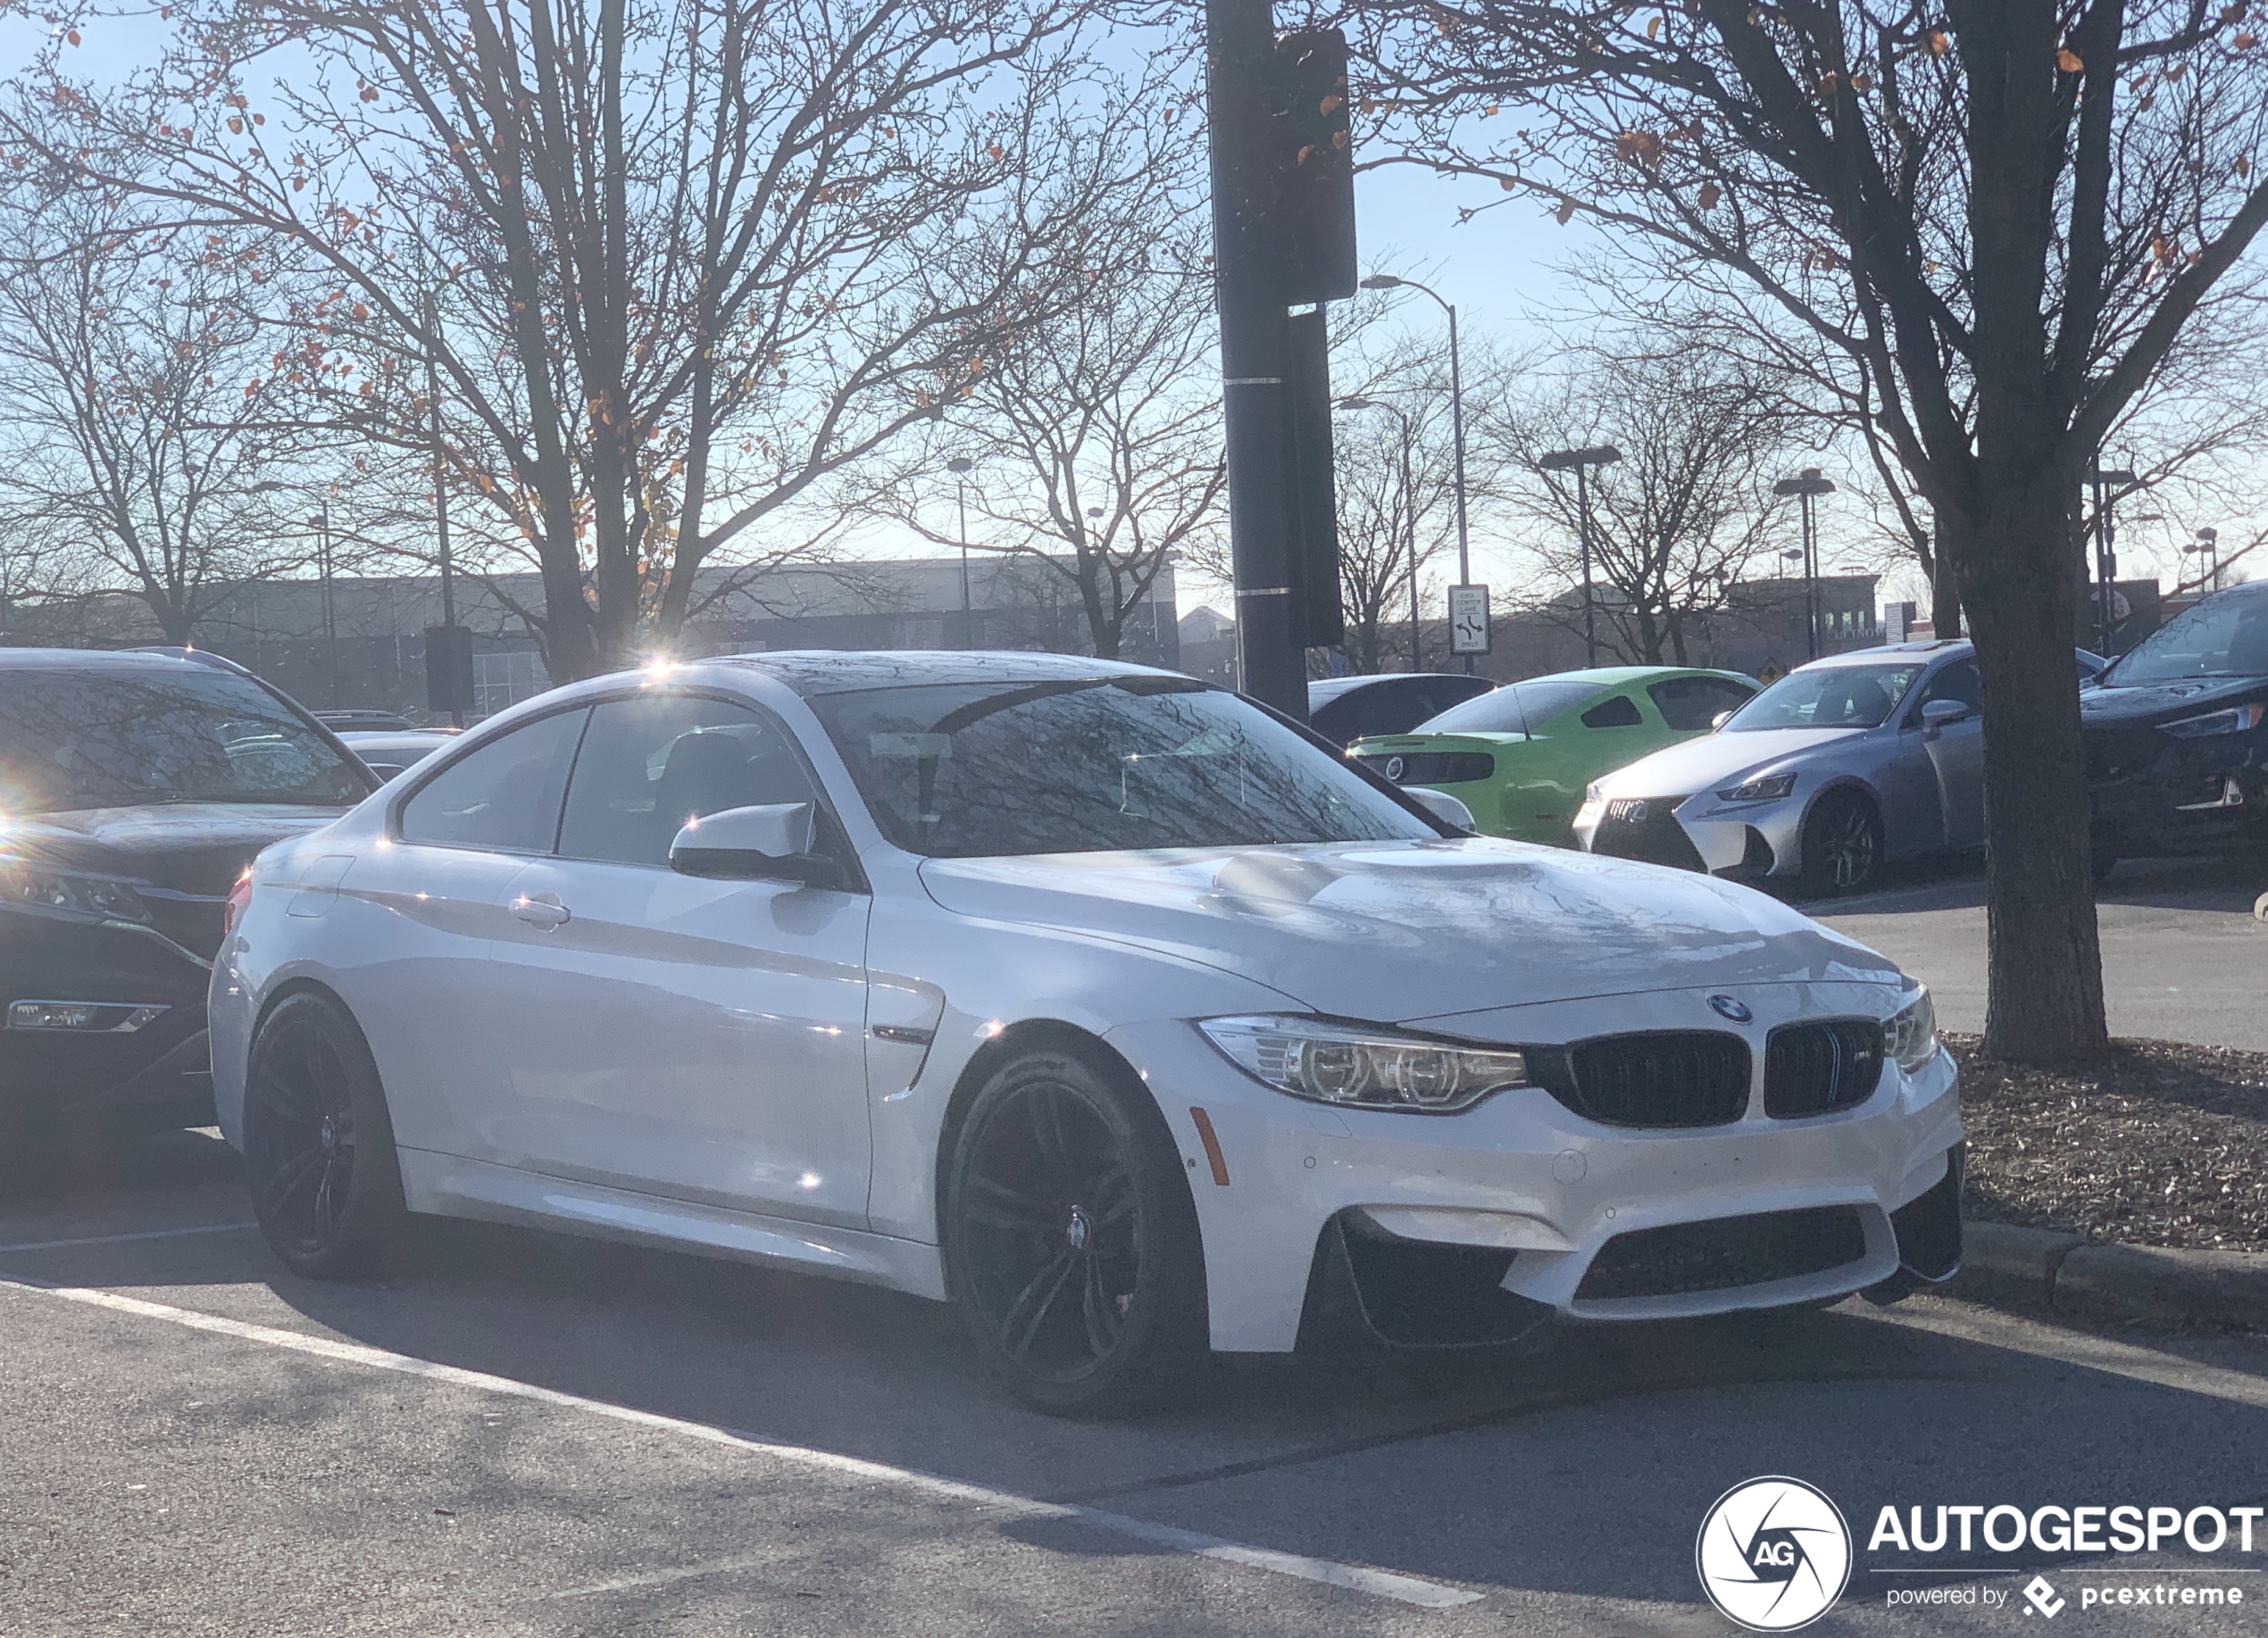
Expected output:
(1774, 1554)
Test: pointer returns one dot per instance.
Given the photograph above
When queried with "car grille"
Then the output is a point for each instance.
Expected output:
(1724, 1253)
(2120, 752)
(1817, 1069)
(1693, 1077)
(1430, 767)
(1645, 828)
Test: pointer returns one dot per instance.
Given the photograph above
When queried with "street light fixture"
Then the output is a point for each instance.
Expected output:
(1583, 460)
(2208, 546)
(1387, 281)
(1808, 484)
(1409, 511)
(961, 466)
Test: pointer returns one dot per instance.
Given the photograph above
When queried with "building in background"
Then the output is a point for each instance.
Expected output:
(276, 627)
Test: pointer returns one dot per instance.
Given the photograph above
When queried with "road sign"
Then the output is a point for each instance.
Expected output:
(1468, 619)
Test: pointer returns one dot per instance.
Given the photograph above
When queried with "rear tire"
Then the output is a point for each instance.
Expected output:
(1072, 1243)
(1842, 845)
(319, 1149)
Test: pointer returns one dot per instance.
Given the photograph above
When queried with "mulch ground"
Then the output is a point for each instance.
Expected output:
(2165, 1144)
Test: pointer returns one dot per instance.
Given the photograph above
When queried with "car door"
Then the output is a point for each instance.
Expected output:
(443, 884)
(1955, 751)
(677, 1035)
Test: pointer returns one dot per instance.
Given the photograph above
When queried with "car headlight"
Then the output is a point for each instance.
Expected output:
(2236, 719)
(1368, 1067)
(1911, 1037)
(58, 891)
(1772, 787)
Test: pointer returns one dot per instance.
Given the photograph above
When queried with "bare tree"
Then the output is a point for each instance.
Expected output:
(139, 406)
(2004, 213)
(1688, 509)
(673, 262)
(1095, 430)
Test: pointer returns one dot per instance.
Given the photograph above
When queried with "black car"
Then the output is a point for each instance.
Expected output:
(2177, 736)
(1346, 709)
(134, 789)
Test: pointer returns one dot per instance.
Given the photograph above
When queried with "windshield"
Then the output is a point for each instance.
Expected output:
(963, 770)
(2223, 637)
(1841, 696)
(1516, 708)
(71, 739)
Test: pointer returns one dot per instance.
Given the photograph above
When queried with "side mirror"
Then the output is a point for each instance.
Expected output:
(1719, 720)
(773, 843)
(1937, 713)
(1441, 805)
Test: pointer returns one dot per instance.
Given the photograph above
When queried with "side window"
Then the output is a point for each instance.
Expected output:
(1957, 681)
(1691, 704)
(504, 796)
(648, 764)
(1616, 711)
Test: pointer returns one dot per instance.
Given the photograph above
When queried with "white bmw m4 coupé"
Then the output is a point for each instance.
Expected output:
(1098, 1001)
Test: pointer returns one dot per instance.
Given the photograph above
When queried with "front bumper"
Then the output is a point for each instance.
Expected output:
(160, 1071)
(2154, 796)
(1747, 840)
(1544, 1191)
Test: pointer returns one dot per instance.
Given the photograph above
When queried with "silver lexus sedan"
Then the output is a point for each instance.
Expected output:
(1840, 766)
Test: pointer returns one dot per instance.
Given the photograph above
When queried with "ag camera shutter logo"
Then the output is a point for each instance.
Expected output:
(1774, 1554)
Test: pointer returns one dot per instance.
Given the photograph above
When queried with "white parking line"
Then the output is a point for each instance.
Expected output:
(1357, 1578)
(147, 1233)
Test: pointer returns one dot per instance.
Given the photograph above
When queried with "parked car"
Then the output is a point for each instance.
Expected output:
(1346, 709)
(134, 789)
(1520, 757)
(2177, 735)
(388, 753)
(1035, 983)
(365, 722)
(1841, 765)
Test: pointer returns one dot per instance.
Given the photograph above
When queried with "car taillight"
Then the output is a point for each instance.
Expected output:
(239, 900)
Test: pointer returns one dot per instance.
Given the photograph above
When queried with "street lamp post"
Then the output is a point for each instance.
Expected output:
(1409, 512)
(1808, 486)
(2208, 546)
(1387, 281)
(321, 523)
(2105, 548)
(961, 466)
(1583, 460)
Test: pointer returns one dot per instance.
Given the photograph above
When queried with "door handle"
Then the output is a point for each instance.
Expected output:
(540, 911)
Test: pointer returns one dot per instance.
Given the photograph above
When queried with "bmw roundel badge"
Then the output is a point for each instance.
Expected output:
(1394, 766)
(1731, 1007)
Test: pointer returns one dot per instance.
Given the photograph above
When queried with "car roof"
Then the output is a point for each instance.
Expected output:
(119, 662)
(1889, 651)
(1332, 687)
(822, 671)
(1615, 676)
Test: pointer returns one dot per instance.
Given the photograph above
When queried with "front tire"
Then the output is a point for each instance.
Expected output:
(1072, 1243)
(1842, 845)
(318, 1144)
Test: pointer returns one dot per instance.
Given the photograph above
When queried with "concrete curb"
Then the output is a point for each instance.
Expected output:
(2122, 1284)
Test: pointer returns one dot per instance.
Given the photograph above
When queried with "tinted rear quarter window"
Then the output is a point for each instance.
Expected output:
(502, 796)
(1621, 712)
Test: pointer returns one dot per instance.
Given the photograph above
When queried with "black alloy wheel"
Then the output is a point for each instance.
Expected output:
(1072, 1241)
(1842, 844)
(318, 1143)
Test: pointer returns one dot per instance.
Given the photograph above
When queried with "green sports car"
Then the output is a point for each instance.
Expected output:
(1520, 756)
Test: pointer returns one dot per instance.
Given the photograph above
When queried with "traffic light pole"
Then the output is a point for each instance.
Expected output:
(1255, 349)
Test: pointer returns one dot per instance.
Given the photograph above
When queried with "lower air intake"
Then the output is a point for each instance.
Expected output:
(1724, 1253)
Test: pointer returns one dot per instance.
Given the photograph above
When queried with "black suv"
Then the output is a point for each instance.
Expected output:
(134, 789)
(2177, 735)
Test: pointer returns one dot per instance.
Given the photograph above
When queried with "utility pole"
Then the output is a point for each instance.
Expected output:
(1807, 485)
(321, 521)
(440, 519)
(961, 466)
(2105, 553)
(1255, 346)
(1580, 460)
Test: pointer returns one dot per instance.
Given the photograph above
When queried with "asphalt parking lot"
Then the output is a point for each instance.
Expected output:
(2184, 957)
(530, 1435)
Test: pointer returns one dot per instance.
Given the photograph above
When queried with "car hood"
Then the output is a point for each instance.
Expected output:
(2163, 702)
(1712, 760)
(189, 847)
(1399, 930)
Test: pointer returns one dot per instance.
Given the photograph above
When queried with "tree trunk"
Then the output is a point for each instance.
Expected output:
(2046, 967)
(1945, 594)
